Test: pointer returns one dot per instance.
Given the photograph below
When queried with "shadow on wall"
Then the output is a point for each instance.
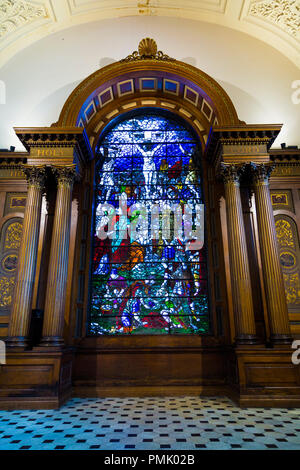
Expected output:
(106, 61)
(190, 60)
(48, 110)
(248, 108)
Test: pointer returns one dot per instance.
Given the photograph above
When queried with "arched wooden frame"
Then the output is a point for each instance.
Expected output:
(207, 88)
(99, 122)
(79, 100)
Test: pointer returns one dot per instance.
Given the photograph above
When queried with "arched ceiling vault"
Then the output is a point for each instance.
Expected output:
(276, 22)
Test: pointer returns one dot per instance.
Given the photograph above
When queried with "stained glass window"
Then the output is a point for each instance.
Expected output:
(149, 275)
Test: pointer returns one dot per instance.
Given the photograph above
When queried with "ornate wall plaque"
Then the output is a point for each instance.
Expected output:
(15, 202)
(9, 247)
(282, 199)
(288, 243)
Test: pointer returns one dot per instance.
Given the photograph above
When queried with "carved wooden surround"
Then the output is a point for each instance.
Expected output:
(248, 354)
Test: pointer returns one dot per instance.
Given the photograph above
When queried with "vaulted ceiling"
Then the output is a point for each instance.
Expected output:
(276, 22)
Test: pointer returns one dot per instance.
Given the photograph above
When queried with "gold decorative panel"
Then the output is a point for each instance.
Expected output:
(10, 240)
(292, 288)
(13, 236)
(6, 291)
(285, 236)
(15, 202)
(282, 199)
(288, 243)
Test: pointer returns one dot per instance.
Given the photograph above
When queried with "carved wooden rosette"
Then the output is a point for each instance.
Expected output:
(21, 308)
(58, 266)
(239, 264)
(273, 279)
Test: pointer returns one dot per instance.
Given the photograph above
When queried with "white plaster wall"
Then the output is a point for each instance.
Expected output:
(256, 76)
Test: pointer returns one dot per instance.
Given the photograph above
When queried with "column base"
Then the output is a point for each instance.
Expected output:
(52, 342)
(242, 340)
(19, 342)
(281, 339)
(36, 379)
(266, 377)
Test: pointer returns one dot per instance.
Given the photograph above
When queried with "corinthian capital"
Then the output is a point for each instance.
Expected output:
(231, 173)
(35, 175)
(261, 172)
(65, 175)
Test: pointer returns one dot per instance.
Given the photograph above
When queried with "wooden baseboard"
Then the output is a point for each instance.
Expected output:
(148, 391)
(36, 379)
(37, 403)
(267, 378)
(269, 402)
(249, 376)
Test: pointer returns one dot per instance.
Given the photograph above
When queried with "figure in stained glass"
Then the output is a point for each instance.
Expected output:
(146, 279)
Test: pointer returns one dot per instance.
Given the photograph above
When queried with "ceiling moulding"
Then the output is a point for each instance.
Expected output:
(285, 14)
(146, 7)
(279, 17)
(20, 17)
(23, 22)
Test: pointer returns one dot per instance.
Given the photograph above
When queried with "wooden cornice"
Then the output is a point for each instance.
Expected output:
(205, 85)
(243, 134)
(52, 136)
(73, 138)
(285, 155)
(13, 157)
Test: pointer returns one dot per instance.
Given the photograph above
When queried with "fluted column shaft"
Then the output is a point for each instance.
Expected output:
(239, 264)
(272, 274)
(58, 265)
(22, 301)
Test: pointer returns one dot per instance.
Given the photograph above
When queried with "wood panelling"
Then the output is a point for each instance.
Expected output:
(152, 365)
(149, 362)
(35, 379)
(286, 205)
(267, 377)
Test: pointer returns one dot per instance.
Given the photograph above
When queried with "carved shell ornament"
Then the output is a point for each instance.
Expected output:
(147, 50)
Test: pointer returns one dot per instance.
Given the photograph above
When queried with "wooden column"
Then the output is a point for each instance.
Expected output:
(273, 278)
(50, 190)
(22, 302)
(58, 266)
(239, 265)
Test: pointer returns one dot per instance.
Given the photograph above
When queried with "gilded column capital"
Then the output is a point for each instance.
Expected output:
(65, 175)
(261, 172)
(35, 175)
(231, 173)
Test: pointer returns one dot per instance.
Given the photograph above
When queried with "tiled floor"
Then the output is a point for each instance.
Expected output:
(182, 423)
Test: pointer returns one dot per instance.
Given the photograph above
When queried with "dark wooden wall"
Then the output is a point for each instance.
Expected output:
(285, 197)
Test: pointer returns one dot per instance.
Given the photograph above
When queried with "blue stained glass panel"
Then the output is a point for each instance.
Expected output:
(145, 277)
